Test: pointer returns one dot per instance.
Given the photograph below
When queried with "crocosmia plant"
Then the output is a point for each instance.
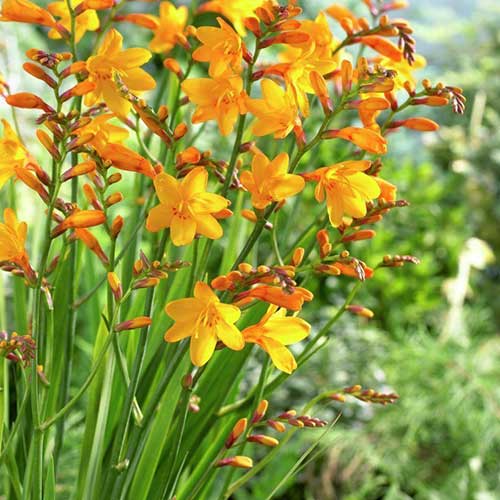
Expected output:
(197, 170)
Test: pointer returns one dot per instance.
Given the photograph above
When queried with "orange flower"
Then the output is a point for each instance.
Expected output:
(347, 189)
(383, 46)
(186, 208)
(339, 12)
(387, 190)
(277, 296)
(221, 47)
(369, 109)
(112, 62)
(12, 240)
(275, 331)
(206, 320)
(171, 24)
(86, 21)
(276, 113)
(24, 11)
(270, 181)
(221, 99)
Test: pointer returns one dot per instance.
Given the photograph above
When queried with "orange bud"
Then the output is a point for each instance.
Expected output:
(366, 139)
(298, 256)
(329, 269)
(99, 4)
(113, 199)
(39, 73)
(364, 234)
(237, 461)
(115, 285)
(173, 66)
(263, 439)
(249, 215)
(420, 124)
(260, 411)
(319, 86)
(322, 237)
(265, 15)
(431, 100)
(145, 20)
(225, 213)
(116, 225)
(360, 311)
(80, 140)
(24, 11)
(287, 414)
(125, 159)
(383, 46)
(189, 155)
(90, 241)
(221, 283)
(238, 429)
(296, 423)
(252, 24)
(245, 268)
(288, 37)
(80, 169)
(146, 283)
(337, 397)
(31, 181)
(28, 101)
(79, 89)
(180, 131)
(132, 324)
(48, 144)
(81, 218)
(276, 295)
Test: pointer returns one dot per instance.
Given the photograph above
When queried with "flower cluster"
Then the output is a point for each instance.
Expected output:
(162, 233)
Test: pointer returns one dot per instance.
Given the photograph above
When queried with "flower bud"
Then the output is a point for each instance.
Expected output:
(360, 311)
(298, 256)
(252, 24)
(146, 283)
(113, 199)
(180, 131)
(263, 439)
(237, 461)
(238, 429)
(116, 225)
(80, 169)
(260, 411)
(173, 66)
(364, 234)
(249, 215)
(39, 73)
(81, 218)
(420, 124)
(115, 285)
(287, 37)
(28, 101)
(132, 324)
(48, 144)
(277, 426)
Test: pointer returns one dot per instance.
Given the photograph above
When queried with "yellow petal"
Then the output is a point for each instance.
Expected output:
(230, 336)
(287, 330)
(167, 188)
(138, 79)
(132, 58)
(159, 217)
(202, 346)
(182, 230)
(204, 293)
(281, 357)
(230, 313)
(208, 226)
(195, 182)
(184, 309)
(179, 331)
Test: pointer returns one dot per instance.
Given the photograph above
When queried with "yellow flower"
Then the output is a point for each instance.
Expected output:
(276, 113)
(171, 24)
(206, 320)
(221, 47)
(111, 62)
(103, 132)
(270, 181)
(24, 11)
(186, 208)
(12, 239)
(221, 99)
(235, 11)
(347, 189)
(275, 331)
(86, 21)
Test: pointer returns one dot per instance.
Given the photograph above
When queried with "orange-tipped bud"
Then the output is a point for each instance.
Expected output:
(132, 324)
(116, 225)
(353, 389)
(28, 101)
(80, 140)
(337, 397)
(252, 24)
(421, 124)
(237, 461)
(90, 241)
(287, 37)
(322, 237)
(31, 181)
(221, 283)
(298, 256)
(277, 426)
(138, 267)
(82, 168)
(249, 215)
(238, 429)
(116, 285)
(99, 4)
(319, 86)
(26, 12)
(145, 20)
(328, 269)
(125, 159)
(265, 15)
(347, 25)
(383, 46)
(225, 213)
(431, 100)
(180, 131)
(360, 311)
(296, 423)
(81, 218)
(146, 283)
(263, 439)
(91, 196)
(48, 144)
(325, 250)
(364, 138)
(245, 268)
(189, 155)
(173, 66)
(39, 73)
(260, 411)
(287, 415)
(78, 90)
(113, 199)
(364, 234)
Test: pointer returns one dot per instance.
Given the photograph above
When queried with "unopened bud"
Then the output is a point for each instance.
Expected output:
(180, 131)
(277, 426)
(360, 311)
(260, 411)
(115, 285)
(238, 429)
(116, 226)
(364, 234)
(237, 461)
(298, 256)
(263, 439)
(132, 324)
